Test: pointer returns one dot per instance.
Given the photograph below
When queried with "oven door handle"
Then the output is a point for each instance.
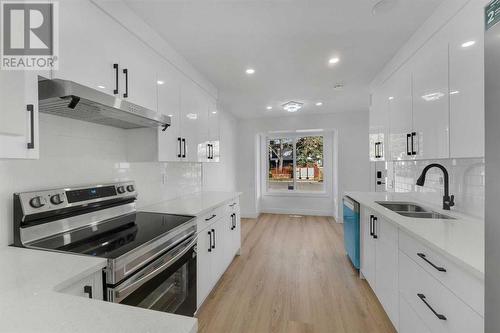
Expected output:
(121, 292)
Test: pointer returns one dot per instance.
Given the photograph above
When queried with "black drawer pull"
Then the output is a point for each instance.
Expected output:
(88, 290)
(375, 227)
(210, 244)
(180, 147)
(441, 269)
(31, 109)
(115, 66)
(371, 225)
(125, 71)
(184, 144)
(440, 316)
(211, 217)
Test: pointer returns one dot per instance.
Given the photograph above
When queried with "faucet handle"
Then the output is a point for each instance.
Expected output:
(452, 200)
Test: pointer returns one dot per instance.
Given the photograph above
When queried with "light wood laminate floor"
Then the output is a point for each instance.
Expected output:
(292, 276)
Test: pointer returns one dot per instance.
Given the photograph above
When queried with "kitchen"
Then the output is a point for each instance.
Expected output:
(220, 167)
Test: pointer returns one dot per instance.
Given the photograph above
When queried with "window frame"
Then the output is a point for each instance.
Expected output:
(295, 135)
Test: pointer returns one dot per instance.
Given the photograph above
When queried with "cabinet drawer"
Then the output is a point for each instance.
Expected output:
(210, 217)
(431, 300)
(409, 321)
(462, 283)
(234, 205)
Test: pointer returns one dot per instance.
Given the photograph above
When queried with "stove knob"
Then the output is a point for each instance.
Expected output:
(130, 188)
(56, 199)
(37, 202)
(121, 190)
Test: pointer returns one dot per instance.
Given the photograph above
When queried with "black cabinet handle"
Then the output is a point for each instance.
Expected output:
(211, 151)
(371, 225)
(375, 227)
(184, 144)
(125, 71)
(233, 204)
(88, 290)
(210, 242)
(232, 221)
(180, 147)
(211, 217)
(408, 149)
(213, 246)
(423, 256)
(440, 316)
(413, 141)
(31, 109)
(115, 66)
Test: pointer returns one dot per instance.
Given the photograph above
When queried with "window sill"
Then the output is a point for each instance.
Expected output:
(297, 194)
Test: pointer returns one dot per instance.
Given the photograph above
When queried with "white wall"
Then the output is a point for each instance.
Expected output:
(74, 152)
(353, 168)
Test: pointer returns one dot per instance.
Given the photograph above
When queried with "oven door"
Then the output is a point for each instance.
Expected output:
(167, 284)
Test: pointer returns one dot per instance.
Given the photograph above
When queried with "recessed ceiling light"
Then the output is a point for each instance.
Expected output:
(384, 6)
(292, 106)
(319, 103)
(214, 112)
(160, 82)
(469, 43)
(170, 115)
(391, 98)
(333, 61)
(250, 71)
(269, 107)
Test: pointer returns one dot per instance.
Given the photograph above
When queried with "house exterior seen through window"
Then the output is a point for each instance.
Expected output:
(295, 163)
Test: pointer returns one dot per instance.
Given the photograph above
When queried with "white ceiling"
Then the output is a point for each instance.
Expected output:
(288, 43)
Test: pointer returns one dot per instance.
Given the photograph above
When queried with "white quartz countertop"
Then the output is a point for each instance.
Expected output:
(30, 301)
(193, 204)
(460, 240)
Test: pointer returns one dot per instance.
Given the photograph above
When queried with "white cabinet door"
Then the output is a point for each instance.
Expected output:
(466, 42)
(220, 245)
(399, 92)
(203, 262)
(236, 232)
(379, 124)
(138, 72)
(213, 130)
(18, 124)
(169, 103)
(386, 272)
(194, 122)
(88, 47)
(430, 99)
(367, 248)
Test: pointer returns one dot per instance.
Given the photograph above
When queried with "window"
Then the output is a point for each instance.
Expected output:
(295, 163)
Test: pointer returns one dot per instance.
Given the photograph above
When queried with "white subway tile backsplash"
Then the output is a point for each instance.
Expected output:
(466, 182)
(73, 152)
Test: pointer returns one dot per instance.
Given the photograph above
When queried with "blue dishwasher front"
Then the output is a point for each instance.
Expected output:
(351, 230)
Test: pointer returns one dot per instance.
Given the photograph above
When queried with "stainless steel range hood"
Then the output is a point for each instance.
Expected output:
(70, 99)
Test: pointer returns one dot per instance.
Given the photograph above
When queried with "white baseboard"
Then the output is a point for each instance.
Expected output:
(249, 215)
(288, 211)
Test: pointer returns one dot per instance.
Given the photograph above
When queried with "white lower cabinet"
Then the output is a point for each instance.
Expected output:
(218, 243)
(379, 261)
(420, 290)
(90, 287)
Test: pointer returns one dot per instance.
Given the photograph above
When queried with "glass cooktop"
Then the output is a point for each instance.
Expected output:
(115, 237)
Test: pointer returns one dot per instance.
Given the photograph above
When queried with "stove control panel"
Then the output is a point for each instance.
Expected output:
(57, 199)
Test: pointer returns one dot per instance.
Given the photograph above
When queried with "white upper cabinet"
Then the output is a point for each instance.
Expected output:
(169, 103)
(466, 41)
(379, 124)
(430, 100)
(19, 114)
(88, 49)
(103, 55)
(400, 113)
(194, 122)
(213, 143)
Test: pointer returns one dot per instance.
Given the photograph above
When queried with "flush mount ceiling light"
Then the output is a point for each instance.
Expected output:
(338, 86)
(391, 98)
(384, 6)
(292, 106)
(214, 112)
(319, 103)
(432, 97)
(159, 82)
(468, 44)
(333, 60)
(250, 71)
(269, 107)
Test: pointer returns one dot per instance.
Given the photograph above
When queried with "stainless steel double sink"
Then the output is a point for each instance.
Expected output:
(410, 209)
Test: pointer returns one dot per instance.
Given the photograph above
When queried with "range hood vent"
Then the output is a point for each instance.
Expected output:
(69, 99)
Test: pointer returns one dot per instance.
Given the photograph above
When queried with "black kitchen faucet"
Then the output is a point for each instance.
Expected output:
(448, 201)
